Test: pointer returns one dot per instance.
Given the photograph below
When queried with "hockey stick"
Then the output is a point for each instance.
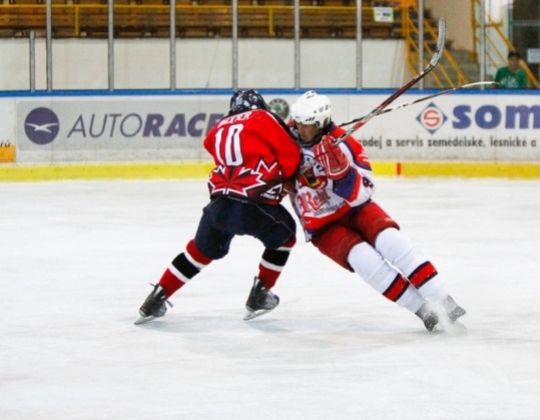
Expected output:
(380, 108)
(426, 98)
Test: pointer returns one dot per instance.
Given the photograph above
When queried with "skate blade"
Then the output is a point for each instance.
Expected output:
(437, 329)
(255, 314)
(456, 328)
(457, 316)
(144, 319)
(450, 327)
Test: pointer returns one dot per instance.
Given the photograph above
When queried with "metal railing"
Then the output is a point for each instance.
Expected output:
(109, 19)
(72, 18)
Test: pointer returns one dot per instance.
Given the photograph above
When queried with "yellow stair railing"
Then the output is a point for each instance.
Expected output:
(443, 76)
(494, 55)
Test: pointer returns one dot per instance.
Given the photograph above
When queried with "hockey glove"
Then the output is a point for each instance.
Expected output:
(332, 158)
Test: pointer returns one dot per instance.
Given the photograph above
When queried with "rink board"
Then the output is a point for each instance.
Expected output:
(158, 134)
(201, 170)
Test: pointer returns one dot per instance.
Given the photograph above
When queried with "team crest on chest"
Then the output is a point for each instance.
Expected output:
(311, 173)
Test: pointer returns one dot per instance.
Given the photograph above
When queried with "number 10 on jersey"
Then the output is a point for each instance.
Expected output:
(228, 152)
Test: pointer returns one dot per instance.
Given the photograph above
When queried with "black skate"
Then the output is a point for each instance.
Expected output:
(260, 300)
(453, 310)
(428, 316)
(154, 306)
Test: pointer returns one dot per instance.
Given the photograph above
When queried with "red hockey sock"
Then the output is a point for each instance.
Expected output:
(183, 268)
(170, 282)
(422, 274)
(273, 261)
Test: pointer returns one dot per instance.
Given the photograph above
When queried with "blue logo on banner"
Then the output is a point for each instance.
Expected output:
(41, 125)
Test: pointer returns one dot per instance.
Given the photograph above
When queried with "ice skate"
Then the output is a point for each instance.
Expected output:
(154, 306)
(260, 300)
(453, 310)
(428, 316)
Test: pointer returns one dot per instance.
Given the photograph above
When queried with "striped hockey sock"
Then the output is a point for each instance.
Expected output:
(273, 261)
(428, 282)
(183, 268)
(409, 260)
(384, 278)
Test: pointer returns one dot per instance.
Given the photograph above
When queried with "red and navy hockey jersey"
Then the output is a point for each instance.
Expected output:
(253, 154)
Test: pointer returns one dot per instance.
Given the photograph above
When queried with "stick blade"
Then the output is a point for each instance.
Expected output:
(442, 34)
(489, 84)
(441, 40)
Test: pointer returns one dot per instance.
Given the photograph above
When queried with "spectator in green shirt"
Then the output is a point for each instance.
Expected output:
(512, 76)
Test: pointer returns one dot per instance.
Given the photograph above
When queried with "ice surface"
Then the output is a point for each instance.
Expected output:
(76, 259)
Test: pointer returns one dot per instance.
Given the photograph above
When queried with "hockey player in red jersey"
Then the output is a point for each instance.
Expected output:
(332, 197)
(253, 153)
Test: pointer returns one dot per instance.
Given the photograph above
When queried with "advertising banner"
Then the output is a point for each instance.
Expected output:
(466, 127)
(116, 129)
(454, 127)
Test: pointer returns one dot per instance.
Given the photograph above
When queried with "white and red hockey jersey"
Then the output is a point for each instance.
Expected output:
(317, 199)
(253, 154)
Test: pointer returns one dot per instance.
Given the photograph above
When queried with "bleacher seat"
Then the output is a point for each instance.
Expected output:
(205, 18)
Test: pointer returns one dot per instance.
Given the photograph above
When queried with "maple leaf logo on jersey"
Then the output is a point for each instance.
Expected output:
(234, 180)
(268, 173)
(271, 175)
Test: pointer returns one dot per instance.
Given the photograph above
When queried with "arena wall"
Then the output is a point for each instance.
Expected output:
(202, 63)
(158, 134)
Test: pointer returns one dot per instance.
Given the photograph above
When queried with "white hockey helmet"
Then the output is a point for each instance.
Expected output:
(312, 108)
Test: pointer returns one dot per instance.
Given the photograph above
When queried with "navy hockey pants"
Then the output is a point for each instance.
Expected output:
(225, 217)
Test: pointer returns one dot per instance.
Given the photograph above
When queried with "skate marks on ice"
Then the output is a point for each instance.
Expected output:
(303, 328)
(78, 262)
(319, 343)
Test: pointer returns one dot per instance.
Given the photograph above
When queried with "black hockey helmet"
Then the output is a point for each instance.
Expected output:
(246, 100)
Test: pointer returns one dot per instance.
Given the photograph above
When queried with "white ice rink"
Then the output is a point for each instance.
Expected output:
(76, 259)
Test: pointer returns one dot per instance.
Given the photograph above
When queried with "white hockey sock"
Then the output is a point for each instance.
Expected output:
(434, 289)
(400, 251)
(384, 278)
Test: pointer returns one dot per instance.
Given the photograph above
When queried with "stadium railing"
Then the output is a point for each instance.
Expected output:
(194, 20)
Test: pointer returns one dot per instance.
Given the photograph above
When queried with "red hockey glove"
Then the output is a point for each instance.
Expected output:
(332, 158)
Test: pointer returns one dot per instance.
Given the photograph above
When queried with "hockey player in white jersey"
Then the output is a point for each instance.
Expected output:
(333, 198)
